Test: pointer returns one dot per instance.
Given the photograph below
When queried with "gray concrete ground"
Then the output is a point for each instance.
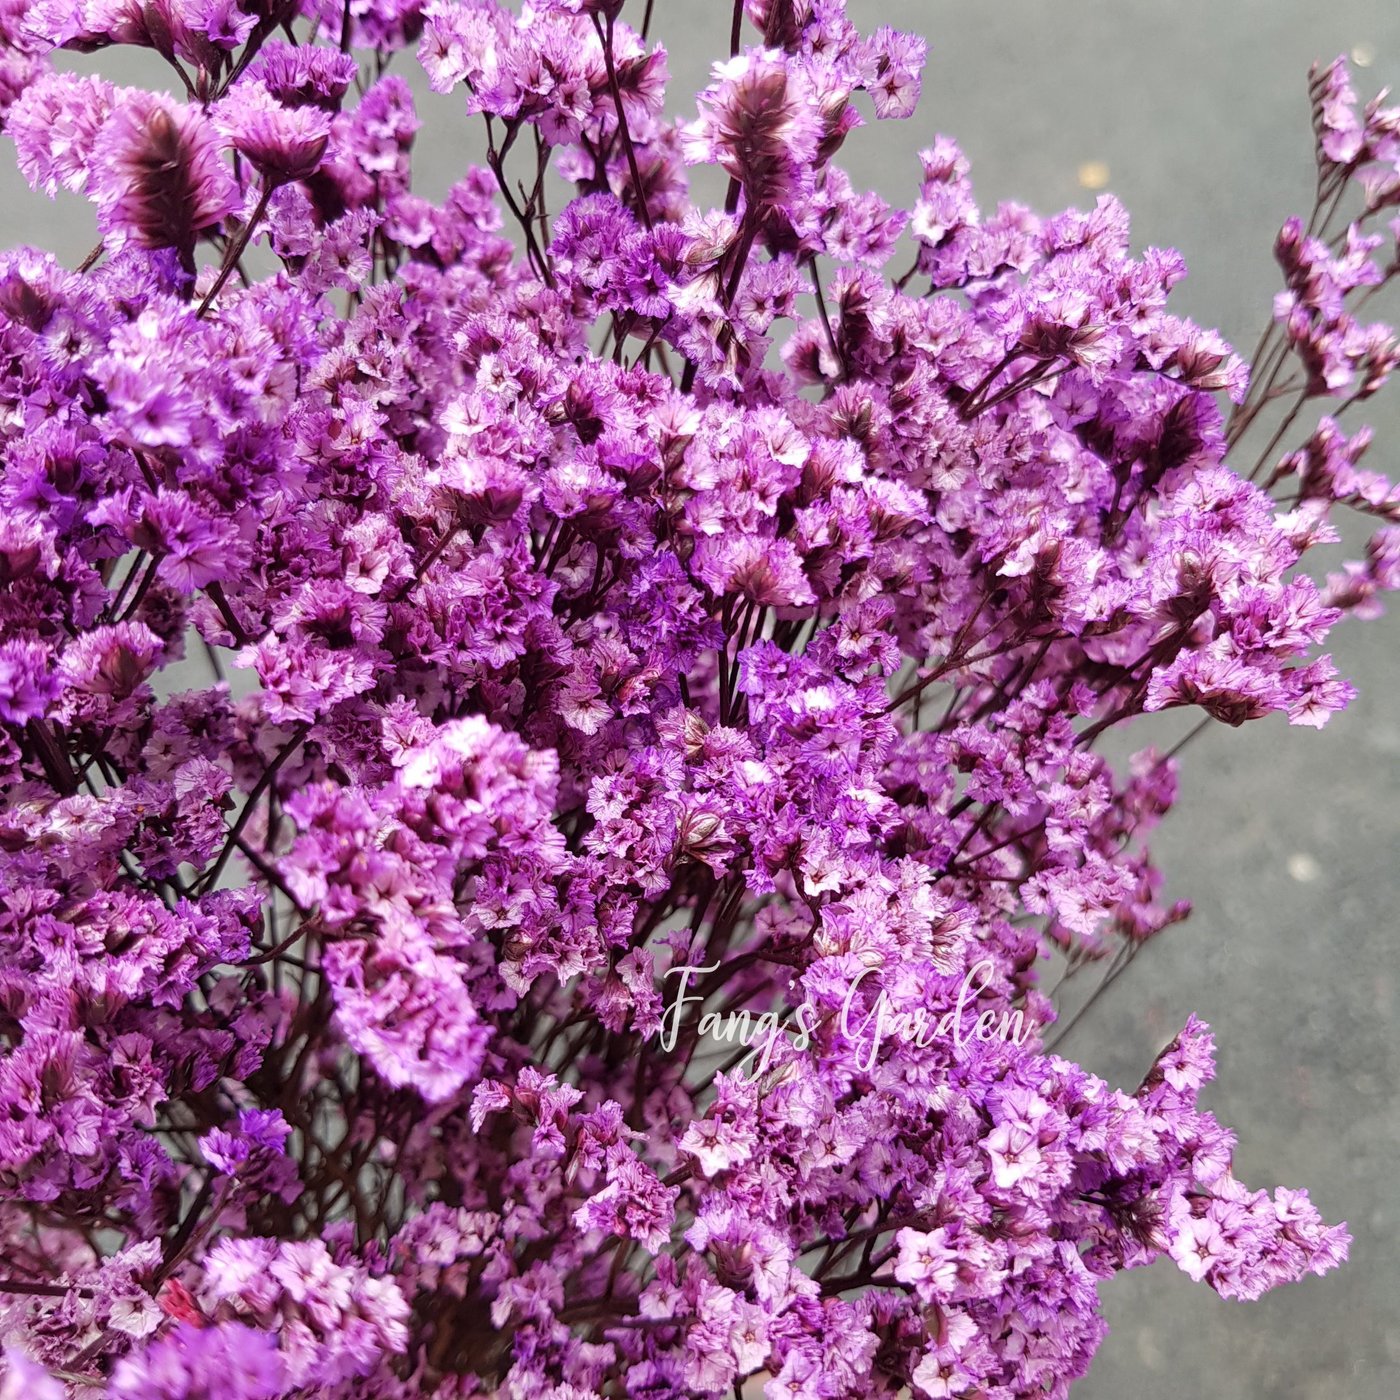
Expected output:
(1286, 840)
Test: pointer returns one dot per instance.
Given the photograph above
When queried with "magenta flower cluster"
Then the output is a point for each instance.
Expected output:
(655, 587)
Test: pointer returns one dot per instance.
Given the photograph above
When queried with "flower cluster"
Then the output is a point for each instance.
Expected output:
(652, 594)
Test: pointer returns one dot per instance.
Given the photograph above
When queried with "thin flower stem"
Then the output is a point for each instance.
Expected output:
(1245, 414)
(605, 38)
(115, 606)
(211, 876)
(140, 595)
(1039, 373)
(193, 1228)
(987, 380)
(826, 320)
(217, 596)
(747, 233)
(53, 758)
(1121, 960)
(44, 1290)
(236, 249)
(1266, 456)
(495, 159)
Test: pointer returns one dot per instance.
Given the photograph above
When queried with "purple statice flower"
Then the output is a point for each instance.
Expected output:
(303, 75)
(259, 1131)
(230, 1360)
(328, 1321)
(22, 1379)
(586, 935)
(194, 31)
(894, 63)
(157, 174)
(281, 142)
(27, 680)
(756, 125)
(21, 50)
(379, 25)
(54, 126)
(253, 1152)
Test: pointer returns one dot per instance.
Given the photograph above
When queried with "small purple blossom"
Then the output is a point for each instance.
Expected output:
(157, 174)
(183, 1365)
(282, 142)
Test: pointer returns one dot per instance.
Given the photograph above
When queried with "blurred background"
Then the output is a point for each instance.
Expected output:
(1287, 840)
